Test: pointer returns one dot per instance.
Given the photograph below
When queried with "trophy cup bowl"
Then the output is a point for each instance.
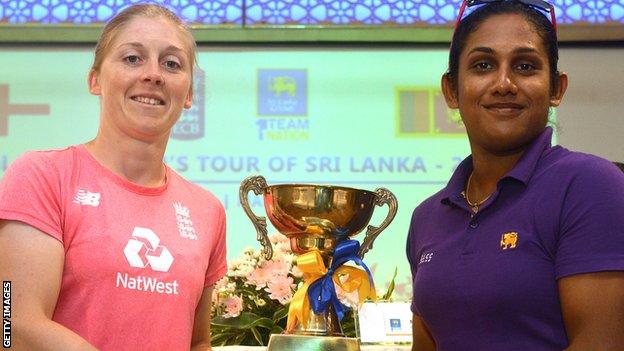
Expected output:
(316, 217)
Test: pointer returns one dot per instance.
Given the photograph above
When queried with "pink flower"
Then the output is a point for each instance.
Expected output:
(279, 238)
(233, 306)
(281, 245)
(221, 284)
(221, 288)
(281, 289)
(269, 270)
(281, 248)
(277, 268)
(259, 277)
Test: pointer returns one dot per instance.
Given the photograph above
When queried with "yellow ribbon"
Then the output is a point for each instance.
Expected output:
(313, 268)
(357, 280)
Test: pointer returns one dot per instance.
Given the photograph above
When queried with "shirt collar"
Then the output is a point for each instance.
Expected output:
(456, 184)
(522, 171)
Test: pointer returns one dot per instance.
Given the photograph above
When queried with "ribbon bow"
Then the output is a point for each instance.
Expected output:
(318, 290)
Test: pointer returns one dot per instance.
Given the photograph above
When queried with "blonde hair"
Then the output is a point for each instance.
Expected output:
(117, 23)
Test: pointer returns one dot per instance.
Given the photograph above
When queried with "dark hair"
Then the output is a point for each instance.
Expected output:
(545, 30)
(620, 165)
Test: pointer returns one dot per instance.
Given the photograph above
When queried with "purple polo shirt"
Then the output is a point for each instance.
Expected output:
(479, 286)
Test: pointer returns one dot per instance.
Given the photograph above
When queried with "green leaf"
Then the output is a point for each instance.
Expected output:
(244, 321)
(257, 335)
(280, 313)
(348, 324)
(276, 330)
(226, 334)
(237, 339)
(265, 323)
(221, 338)
(390, 290)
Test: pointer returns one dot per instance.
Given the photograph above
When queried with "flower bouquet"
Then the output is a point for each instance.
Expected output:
(251, 302)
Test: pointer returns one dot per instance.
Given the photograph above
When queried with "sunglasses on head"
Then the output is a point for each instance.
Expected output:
(539, 5)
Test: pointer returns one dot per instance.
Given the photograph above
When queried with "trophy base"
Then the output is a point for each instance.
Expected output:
(290, 342)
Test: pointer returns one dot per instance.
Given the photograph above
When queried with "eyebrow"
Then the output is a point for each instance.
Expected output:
(138, 45)
(487, 50)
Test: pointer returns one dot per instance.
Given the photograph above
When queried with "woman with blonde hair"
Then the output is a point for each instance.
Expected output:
(107, 247)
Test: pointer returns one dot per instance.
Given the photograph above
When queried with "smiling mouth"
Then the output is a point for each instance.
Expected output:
(147, 100)
(505, 108)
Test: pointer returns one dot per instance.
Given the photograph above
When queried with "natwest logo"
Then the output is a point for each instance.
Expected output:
(143, 249)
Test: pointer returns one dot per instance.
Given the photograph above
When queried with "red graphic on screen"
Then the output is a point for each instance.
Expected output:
(7, 109)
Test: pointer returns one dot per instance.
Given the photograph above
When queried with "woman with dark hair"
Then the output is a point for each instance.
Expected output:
(524, 248)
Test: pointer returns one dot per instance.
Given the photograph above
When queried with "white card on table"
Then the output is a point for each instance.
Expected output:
(385, 322)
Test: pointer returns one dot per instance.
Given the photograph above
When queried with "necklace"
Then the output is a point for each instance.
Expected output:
(473, 205)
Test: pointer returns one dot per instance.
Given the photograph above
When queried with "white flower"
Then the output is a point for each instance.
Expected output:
(294, 270)
(242, 271)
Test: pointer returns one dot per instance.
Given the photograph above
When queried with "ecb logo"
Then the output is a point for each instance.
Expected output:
(423, 111)
(282, 92)
(191, 124)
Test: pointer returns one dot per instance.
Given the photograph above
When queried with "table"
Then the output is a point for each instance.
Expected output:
(363, 348)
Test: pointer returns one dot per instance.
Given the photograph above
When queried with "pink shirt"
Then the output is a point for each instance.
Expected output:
(136, 258)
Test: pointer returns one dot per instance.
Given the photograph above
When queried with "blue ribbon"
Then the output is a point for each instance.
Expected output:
(323, 292)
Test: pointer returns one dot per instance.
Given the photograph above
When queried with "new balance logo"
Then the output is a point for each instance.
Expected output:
(143, 249)
(84, 197)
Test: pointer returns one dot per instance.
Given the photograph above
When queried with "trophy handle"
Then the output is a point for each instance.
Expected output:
(384, 196)
(258, 184)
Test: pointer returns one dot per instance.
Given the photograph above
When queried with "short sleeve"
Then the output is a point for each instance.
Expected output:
(592, 221)
(409, 252)
(30, 193)
(217, 266)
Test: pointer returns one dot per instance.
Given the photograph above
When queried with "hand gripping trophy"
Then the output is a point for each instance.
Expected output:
(320, 221)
